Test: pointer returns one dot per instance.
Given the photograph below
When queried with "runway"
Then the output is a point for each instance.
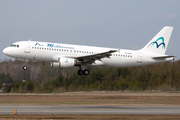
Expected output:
(85, 109)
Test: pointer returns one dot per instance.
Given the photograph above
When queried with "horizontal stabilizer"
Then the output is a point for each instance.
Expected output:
(162, 57)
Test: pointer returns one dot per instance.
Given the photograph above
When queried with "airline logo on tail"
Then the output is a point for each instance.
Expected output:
(156, 43)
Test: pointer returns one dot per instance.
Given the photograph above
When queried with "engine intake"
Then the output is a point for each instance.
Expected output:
(63, 63)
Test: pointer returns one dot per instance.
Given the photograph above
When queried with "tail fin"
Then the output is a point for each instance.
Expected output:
(160, 42)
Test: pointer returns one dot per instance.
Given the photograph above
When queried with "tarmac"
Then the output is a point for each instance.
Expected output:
(89, 109)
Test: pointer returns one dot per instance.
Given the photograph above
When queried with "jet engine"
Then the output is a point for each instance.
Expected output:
(64, 63)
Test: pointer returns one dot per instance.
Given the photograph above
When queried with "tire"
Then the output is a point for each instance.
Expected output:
(80, 72)
(24, 67)
(86, 72)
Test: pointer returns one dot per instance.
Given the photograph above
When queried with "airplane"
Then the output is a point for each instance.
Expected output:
(68, 55)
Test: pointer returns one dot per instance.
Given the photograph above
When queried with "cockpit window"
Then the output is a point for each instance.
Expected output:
(14, 45)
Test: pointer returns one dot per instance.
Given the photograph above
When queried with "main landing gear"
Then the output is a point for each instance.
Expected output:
(81, 72)
(25, 67)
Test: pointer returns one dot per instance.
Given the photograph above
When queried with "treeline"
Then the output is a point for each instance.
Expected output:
(41, 78)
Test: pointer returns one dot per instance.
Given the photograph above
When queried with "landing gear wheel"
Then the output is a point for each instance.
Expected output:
(24, 67)
(86, 72)
(80, 72)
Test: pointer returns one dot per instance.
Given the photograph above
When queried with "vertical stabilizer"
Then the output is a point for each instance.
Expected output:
(160, 42)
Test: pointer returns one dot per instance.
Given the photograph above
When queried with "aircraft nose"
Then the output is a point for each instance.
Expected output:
(5, 51)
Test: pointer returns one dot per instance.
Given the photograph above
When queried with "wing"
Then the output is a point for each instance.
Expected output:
(93, 57)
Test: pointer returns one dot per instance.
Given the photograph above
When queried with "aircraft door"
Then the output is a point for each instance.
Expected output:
(27, 47)
(139, 57)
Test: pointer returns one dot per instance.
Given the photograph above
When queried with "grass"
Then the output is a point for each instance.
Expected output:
(92, 98)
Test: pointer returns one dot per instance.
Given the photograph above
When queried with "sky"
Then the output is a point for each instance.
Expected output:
(123, 24)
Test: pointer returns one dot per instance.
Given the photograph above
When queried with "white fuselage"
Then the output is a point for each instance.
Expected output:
(47, 51)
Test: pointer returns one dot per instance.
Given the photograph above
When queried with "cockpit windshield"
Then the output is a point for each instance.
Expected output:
(14, 45)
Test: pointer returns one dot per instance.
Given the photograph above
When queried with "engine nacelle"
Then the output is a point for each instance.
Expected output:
(63, 63)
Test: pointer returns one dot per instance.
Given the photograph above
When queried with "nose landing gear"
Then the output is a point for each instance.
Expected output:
(25, 67)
